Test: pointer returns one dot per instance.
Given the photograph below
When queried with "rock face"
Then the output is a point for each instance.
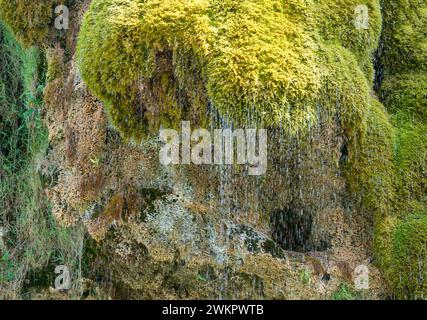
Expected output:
(342, 166)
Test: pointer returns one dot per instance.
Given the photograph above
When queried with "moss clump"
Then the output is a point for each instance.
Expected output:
(409, 257)
(115, 67)
(254, 61)
(337, 24)
(371, 170)
(404, 37)
(262, 62)
(401, 237)
(405, 94)
(31, 21)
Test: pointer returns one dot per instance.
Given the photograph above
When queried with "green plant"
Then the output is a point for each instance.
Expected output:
(306, 276)
(95, 161)
(345, 292)
(7, 268)
(34, 241)
(400, 229)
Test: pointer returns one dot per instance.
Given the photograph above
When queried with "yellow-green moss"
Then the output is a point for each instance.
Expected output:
(337, 24)
(411, 161)
(404, 37)
(401, 236)
(371, 171)
(246, 61)
(406, 93)
(262, 62)
(256, 61)
(409, 257)
(31, 21)
(401, 247)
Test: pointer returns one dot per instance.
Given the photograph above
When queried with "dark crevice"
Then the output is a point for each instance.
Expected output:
(292, 230)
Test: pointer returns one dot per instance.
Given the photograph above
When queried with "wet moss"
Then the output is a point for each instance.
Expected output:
(30, 20)
(409, 257)
(337, 24)
(400, 239)
(256, 61)
(371, 171)
(241, 72)
(404, 37)
(154, 62)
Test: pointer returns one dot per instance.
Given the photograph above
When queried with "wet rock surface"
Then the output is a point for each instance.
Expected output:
(301, 231)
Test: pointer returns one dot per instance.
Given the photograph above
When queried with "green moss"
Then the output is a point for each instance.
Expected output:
(401, 247)
(254, 61)
(292, 65)
(337, 24)
(388, 171)
(240, 73)
(405, 36)
(401, 235)
(371, 171)
(115, 67)
(411, 160)
(409, 257)
(406, 93)
(31, 21)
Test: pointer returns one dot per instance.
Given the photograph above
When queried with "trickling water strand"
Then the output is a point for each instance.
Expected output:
(224, 173)
(300, 165)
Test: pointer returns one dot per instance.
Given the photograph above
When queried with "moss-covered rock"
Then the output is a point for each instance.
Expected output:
(403, 246)
(290, 65)
(401, 234)
(337, 23)
(30, 20)
(371, 171)
(404, 39)
(262, 62)
(246, 64)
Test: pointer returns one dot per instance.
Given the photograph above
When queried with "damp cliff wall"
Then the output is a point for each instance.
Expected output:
(345, 111)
